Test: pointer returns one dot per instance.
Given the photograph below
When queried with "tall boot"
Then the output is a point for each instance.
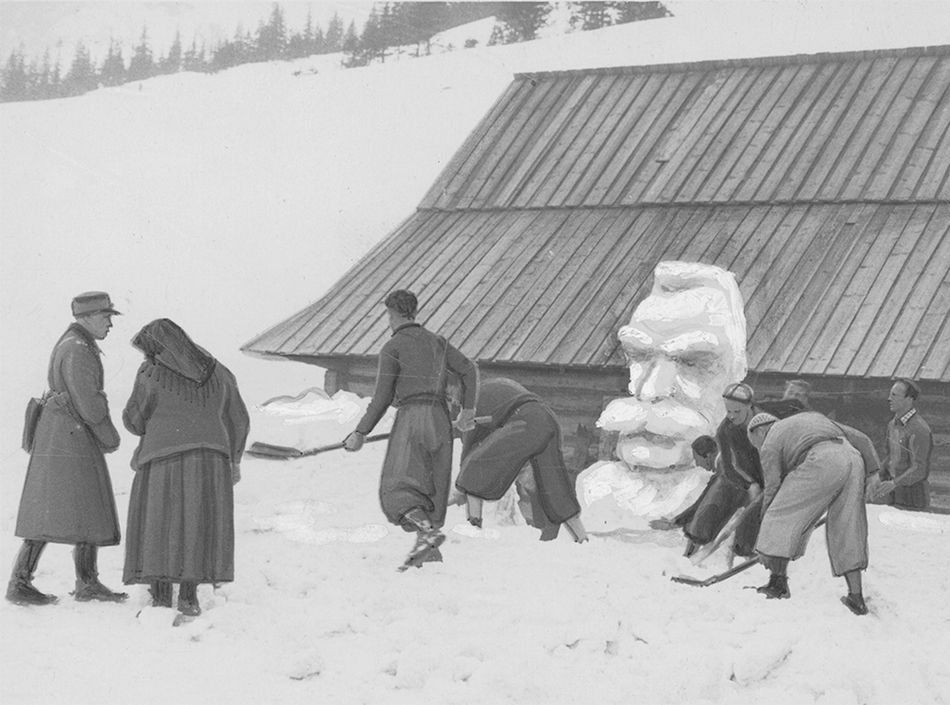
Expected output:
(161, 591)
(88, 586)
(428, 538)
(188, 599)
(20, 589)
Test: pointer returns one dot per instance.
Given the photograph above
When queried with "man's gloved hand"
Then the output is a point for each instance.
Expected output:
(354, 441)
(885, 488)
(466, 420)
(754, 492)
(235, 473)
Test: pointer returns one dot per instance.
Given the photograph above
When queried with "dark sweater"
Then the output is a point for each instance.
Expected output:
(413, 366)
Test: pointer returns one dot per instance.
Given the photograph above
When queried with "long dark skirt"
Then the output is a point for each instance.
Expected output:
(181, 520)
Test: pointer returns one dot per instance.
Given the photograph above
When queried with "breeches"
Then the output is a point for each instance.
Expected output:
(830, 478)
(417, 471)
(529, 435)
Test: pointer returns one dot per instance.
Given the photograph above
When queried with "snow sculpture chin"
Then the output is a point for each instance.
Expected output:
(685, 342)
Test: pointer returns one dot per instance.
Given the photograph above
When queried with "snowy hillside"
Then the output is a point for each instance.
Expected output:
(228, 202)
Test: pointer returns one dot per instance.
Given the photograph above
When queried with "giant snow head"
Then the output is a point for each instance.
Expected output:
(685, 342)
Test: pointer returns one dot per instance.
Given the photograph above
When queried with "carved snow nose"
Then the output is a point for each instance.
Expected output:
(659, 381)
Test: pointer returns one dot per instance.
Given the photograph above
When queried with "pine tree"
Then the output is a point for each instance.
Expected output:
(15, 82)
(590, 15)
(351, 41)
(272, 37)
(142, 65)
(637, 11)
(172, 62)
(334, 34)
(193, 60)
(112, 72)
(82, 74)
(519, 21)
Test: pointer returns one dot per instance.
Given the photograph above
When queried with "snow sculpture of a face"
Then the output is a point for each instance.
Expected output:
(684, 343)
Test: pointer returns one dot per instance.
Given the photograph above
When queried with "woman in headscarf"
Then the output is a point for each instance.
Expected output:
(193, 426)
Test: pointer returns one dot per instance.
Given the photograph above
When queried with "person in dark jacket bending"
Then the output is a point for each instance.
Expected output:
(417, 473)
(523, 429)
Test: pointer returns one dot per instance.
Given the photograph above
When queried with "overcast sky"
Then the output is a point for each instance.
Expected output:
(36, 26)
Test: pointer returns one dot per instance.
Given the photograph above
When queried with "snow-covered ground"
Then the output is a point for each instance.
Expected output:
(229, 202)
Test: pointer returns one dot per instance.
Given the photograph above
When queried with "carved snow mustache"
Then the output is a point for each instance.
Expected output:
(665, 418)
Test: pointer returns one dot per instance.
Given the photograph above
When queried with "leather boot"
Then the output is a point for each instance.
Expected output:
(88, 586)
(20, 590)
(427, 536)
(188, 599)
(161, 592)
(776, 588)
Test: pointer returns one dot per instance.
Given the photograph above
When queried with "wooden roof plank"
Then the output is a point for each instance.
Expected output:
(443, 190)
(719, 134)
(792, 81)
(354, 312)
(634, 247)
(846, 132)
(686, 140)
(936, 364)
(569, 283)
(888, 261)
(540, 152)
(800, 300)
(488, 233)
(877, 316)
(610, 116)
(622, 235)
(622, 139)
(885, 226)
(859, 229)
(438, 282)
(894, 323)
(927, 306)
(873, 133)
(535, 189)
(665, 243)
(737, 133)
(724, 251)
(546, 270)
(511, 151)
(795, 131)
(676, 91)
(885, 174)
(777, 290)
(779, 123)
(932, 119)
(492, 160)
(727, 170)
(346, 299)
(802, 176)
(520, 245)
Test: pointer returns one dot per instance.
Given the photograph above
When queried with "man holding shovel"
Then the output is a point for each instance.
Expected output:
(414, 365)
(810, 467)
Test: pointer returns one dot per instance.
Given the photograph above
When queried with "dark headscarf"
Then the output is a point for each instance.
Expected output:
(181, 365)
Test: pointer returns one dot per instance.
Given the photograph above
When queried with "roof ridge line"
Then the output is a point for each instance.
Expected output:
(779, 60)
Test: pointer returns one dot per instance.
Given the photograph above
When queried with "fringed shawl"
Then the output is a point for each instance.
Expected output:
(178, 365)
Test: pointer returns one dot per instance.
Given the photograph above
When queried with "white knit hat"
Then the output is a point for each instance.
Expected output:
(760, 420)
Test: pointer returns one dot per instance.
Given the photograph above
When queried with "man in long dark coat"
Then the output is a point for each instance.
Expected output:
(67, 496)
(522, 430)
(414, 365)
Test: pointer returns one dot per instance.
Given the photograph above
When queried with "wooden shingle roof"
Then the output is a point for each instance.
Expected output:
(822, 182)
